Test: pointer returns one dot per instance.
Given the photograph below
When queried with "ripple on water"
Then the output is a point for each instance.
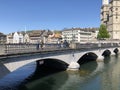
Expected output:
(14, 79)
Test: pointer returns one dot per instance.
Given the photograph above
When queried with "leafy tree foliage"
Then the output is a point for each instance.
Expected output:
(103, 33)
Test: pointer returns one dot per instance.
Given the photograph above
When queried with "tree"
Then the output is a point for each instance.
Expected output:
(103, 33)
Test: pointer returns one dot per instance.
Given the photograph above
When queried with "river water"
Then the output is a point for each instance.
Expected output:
(91, 76)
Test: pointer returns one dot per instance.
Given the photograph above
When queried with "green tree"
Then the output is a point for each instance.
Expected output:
(103, 33)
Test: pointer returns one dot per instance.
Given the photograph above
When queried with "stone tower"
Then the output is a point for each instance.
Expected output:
(110, 16)
(104, 12)
(114, 19)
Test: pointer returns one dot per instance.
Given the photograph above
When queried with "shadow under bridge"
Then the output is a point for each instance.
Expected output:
(50, 65)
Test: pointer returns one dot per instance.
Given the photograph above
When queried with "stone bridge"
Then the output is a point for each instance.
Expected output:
(68, 59)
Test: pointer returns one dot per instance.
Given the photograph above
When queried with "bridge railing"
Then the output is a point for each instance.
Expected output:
(96, 45)
(25, 48)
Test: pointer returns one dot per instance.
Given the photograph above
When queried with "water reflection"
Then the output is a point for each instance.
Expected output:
(14, 79)
(91, 76)
(51, 82)
(87, 68)
(3, 70)
(111, 76)
(67, 80)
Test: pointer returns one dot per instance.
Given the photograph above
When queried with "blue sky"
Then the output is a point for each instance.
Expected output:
(15, 15)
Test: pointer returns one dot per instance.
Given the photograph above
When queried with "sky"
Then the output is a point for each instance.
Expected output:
(16, 15)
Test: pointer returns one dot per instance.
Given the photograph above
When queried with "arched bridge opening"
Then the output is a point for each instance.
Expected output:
(106, 53)
(90, 56)
(49, 66)
(116, 51)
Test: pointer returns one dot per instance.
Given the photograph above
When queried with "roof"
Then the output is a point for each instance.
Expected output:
(84, 29)
(72, 29)
(3, 35)
(56, 35)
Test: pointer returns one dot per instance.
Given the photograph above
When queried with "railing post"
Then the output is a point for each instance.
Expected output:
(4, 48)
(99, 46)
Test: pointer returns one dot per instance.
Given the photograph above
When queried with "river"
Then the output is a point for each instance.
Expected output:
(91, 76)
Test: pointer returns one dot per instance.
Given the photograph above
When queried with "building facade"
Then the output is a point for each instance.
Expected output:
(16, 37)
(2, 38)
(34, 36)
(79, 35)
(110, 16)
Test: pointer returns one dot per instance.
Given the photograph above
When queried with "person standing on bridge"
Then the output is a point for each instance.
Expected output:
(65, 44)
(37, 46)
(42, 44)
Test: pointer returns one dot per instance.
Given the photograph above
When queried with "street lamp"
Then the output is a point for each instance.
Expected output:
(89, 35)
(73, 37)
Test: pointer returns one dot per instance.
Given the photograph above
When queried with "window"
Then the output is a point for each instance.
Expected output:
(116, 15)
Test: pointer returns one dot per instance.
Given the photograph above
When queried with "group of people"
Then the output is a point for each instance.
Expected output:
(40, 45)
(64, 44)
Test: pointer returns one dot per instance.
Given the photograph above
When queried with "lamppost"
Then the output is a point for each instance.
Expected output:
(73, 37)
(99, 45)
(88, 36)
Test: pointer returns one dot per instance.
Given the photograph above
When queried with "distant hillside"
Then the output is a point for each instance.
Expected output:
(57, 32)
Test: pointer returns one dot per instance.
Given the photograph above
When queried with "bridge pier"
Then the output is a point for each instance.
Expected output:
(100, 58)
(73, 66)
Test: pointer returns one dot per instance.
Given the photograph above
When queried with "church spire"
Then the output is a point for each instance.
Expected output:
(105, 2)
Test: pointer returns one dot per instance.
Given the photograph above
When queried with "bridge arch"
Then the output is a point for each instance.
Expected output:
(116, 50)
(51, 64)
(90, 56)
(106, 53)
